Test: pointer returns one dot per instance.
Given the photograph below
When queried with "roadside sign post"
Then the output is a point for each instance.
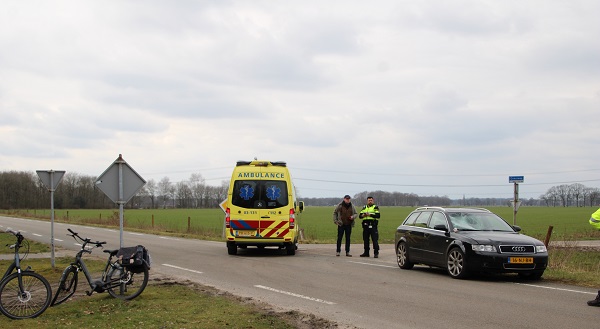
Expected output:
(515, 202)
(120, 183)
(51, 179)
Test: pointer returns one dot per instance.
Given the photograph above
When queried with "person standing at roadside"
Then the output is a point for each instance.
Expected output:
(595, 219)
(595, 222)
(370, 218)
(343, 216)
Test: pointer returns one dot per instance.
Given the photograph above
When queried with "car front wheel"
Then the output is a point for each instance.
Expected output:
(456, 264)
(402, 257)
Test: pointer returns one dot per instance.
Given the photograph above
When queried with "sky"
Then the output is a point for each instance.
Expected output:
(433, 97)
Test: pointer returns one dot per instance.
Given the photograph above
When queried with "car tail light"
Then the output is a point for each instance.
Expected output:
(227, 218)
(292, 218)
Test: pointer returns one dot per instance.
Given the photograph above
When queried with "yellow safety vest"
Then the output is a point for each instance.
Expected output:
(595, 219)
(371, 210)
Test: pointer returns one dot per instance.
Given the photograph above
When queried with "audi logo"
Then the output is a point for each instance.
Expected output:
(518, 249)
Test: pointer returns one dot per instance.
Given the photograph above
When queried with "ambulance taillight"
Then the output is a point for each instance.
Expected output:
(227, 218)
(292, 218)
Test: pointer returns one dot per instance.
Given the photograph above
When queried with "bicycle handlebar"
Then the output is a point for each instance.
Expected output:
(11, 232)
(76, 235)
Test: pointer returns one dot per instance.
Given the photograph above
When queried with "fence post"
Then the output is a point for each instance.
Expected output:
(189, 226)
(547, 241)
(152, 221)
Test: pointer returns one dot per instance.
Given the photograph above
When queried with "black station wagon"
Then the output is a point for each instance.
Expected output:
(467, 240)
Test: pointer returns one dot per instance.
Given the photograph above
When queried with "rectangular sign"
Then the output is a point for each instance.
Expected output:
(516, 179)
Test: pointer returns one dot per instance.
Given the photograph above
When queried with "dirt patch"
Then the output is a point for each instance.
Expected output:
(297, 319)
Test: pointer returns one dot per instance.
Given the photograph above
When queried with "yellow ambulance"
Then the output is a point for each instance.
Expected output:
(262, 209)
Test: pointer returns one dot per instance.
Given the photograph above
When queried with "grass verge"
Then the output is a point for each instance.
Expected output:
(165, 303)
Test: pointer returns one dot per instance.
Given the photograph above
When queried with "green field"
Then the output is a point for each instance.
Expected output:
(569, 223)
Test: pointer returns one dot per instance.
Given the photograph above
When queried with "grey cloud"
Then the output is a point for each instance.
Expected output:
(467, 18)
(577, 57)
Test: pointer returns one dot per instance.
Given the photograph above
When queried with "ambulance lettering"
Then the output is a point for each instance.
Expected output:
(261, 175)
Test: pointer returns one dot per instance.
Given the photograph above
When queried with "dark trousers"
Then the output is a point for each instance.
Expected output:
(347, 230)
(373, 233)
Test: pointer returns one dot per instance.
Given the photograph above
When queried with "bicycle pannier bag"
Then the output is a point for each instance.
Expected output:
(134, 258)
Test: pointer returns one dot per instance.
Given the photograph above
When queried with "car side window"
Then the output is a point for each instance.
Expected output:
(423, 219)
(437, 218)
(410, 220)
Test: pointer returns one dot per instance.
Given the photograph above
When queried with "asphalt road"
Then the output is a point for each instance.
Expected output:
(353, 291)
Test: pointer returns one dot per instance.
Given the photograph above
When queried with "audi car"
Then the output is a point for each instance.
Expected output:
(465, 241)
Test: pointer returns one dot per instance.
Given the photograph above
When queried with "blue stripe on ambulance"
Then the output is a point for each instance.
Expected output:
(239, 224)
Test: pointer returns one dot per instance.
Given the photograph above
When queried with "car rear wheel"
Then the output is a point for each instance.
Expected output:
(456, 264)
(402, 257)
(290, 249)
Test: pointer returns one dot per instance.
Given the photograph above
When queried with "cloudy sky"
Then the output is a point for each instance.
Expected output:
(431, 97)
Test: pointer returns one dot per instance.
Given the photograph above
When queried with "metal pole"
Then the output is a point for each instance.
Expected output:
(52, 218)
(515, 205)
(120, 161)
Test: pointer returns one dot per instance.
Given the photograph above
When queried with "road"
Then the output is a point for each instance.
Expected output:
(353, 291)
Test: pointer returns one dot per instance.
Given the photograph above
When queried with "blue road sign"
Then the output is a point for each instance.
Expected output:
(516, 179)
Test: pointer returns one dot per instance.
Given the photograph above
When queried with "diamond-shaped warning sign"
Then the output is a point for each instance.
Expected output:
(120, 182)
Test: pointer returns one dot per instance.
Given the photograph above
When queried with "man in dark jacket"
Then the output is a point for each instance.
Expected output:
(343, 216)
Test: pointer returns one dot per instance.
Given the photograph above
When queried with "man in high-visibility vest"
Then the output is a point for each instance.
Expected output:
(595, 222)
(370, 218)
(595, 219)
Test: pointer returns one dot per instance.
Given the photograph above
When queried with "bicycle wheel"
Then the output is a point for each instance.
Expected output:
(34, 300)
(66, 286)
(124, 284)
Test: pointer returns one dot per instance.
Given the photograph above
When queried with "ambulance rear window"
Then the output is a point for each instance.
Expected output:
(260, 194)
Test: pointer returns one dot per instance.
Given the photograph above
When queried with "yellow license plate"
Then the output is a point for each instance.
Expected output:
(246, 233)
(520, 260)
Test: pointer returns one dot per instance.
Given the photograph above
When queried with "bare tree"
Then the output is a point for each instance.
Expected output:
(198, 187)
(183, 194)
(577, 192)
(149, 190)
(165, 188)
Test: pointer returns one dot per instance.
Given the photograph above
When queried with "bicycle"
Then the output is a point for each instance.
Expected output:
(24, 294)
(119, 281)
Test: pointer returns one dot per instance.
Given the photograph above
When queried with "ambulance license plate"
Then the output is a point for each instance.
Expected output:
(246, 233)
(520, 260)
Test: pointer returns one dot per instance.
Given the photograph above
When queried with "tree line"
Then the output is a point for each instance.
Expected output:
(24, 190)
(566, 195)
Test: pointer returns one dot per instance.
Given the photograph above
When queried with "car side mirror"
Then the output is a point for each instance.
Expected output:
(301, 206)
(440, 227)
(516, 228)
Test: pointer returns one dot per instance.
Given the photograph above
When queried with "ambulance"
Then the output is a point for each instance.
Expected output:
(262, 209)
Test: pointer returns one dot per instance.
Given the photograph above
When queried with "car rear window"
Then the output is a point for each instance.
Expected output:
(260, 194)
